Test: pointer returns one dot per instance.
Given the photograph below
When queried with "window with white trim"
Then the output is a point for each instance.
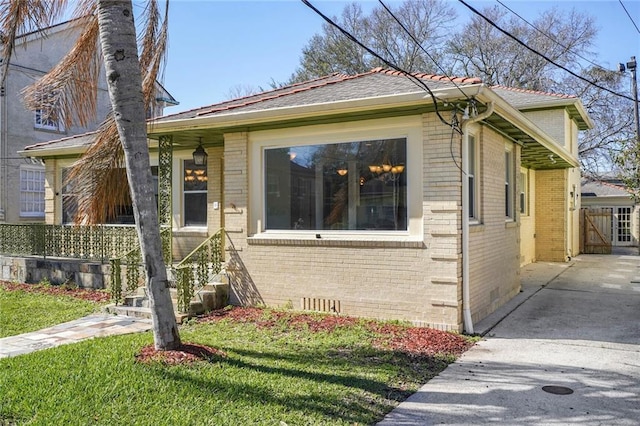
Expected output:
(337, 186)
(195, 194)
(31, 191)
(45, 121)
(509, 188)
(524, 193)
(472, 176)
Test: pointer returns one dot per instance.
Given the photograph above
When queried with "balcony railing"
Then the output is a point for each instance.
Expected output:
(96, 243)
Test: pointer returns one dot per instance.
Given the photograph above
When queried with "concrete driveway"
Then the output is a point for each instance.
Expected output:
(567, 353)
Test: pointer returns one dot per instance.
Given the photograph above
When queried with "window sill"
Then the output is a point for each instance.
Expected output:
(328, 240)
(32, 215)
(511, 224)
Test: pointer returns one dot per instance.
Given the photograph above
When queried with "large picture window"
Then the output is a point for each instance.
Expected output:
(338, 186)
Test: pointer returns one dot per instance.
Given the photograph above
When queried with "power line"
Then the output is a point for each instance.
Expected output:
(415, 40)
(418, 81)
(517, 40)
(548, 36)
(629, 15)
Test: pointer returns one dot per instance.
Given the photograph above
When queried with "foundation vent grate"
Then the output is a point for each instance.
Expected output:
(320, 305)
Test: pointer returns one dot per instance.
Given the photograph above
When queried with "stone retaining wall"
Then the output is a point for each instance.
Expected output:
(56, 271)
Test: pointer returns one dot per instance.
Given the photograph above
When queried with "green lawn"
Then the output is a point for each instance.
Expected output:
(283, 373)
(21, 312)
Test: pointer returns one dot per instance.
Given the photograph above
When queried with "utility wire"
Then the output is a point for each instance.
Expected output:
(418, 81)
(548, 36)
(415, 40)
(629, 15)
(508, 34)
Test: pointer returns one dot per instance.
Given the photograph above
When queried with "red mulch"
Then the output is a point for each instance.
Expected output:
(413, 341)
(188, 353)
(98, 296)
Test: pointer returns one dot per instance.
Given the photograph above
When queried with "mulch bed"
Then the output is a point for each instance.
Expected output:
(98, 296)
(187, 353)
(413, 341)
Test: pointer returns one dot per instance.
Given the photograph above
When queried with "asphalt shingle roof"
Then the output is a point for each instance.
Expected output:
(523, 98)
(614, 188)
(332, 88)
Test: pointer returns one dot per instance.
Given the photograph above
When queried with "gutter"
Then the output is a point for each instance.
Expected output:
(466, 303)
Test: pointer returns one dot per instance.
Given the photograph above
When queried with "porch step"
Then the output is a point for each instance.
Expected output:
(139, 312)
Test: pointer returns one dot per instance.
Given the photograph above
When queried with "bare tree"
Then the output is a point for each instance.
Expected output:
(481, 50)
(122, 139)
(330, 51)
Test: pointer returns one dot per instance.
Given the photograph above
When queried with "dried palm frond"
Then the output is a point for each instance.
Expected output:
(153, 51)
(98, 176)
(99, 179)
(21, 16)
(70, 90)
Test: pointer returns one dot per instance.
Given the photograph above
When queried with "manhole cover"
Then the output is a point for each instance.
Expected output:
(558, 390)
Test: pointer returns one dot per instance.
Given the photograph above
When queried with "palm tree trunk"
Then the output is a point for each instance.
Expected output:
(120, 52)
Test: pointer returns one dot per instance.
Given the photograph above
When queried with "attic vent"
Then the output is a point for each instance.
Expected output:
(320, 305)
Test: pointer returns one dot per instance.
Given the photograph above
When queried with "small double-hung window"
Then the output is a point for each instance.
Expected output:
(31, 191)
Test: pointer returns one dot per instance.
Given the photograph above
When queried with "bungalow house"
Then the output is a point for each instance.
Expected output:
(366, 195)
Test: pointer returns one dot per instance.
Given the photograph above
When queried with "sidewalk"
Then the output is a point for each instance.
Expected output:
(96, 325)
(566, 351)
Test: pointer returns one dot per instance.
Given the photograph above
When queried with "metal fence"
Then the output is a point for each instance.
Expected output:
(96, 242)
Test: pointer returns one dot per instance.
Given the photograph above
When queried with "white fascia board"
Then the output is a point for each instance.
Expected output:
(247, 118)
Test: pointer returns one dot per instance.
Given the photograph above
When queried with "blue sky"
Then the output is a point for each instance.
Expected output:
(217, 45)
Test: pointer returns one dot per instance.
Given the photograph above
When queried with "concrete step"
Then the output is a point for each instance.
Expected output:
(130, 311)
(137, 301)
(140, 312)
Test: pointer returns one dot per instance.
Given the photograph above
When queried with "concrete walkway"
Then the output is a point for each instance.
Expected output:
(565, 351)
(96, 325)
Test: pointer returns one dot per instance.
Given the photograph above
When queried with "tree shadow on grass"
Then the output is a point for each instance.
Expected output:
(354, 395)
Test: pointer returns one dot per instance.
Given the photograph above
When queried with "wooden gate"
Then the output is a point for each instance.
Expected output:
(596, 230)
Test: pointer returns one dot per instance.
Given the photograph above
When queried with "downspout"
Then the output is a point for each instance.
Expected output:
(466, 305)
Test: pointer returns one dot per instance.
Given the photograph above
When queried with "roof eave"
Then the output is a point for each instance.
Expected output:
(249, 118)
(515, 116)
(584, 123)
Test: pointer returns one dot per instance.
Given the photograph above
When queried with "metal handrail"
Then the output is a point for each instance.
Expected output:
(198, 267)
(133, 261)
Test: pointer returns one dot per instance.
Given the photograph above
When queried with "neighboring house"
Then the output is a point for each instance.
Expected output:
(349, 193)
(22, 180)
(609, 196)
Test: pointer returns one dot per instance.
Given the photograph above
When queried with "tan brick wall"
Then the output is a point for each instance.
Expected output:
(414, 281)
(551, 213)
(553, 123)
(50, 191)
(215, 167)
(494, 244)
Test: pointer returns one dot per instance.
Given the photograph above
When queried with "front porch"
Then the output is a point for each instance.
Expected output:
(108, 257)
